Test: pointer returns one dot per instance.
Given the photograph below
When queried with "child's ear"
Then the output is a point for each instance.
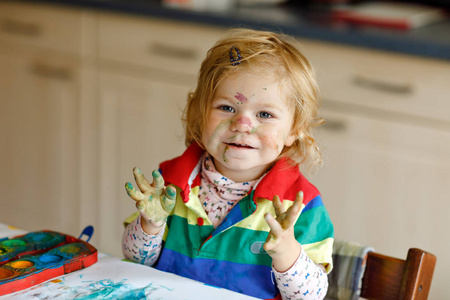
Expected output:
(291, 139)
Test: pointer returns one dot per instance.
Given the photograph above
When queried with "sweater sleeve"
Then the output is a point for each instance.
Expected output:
(304, 280)
(140, 247)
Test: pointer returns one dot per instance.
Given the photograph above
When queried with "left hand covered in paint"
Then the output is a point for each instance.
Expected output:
(281, 244)
(153, 201)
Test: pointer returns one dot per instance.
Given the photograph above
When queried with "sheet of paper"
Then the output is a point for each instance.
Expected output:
(114, 278)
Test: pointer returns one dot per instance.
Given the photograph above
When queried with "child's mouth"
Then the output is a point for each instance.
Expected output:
(242, 146)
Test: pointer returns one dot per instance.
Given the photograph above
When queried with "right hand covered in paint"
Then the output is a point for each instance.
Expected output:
(153, 201)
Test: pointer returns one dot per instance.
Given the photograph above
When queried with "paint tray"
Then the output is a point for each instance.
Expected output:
(30, 259)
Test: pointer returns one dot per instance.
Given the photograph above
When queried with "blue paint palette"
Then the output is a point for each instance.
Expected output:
(38, 256)
(31, 243)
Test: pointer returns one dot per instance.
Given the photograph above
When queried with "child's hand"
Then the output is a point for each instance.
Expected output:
(153, 201)
(281, 244)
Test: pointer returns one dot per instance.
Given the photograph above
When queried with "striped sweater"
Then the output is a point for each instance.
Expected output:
(231, 256)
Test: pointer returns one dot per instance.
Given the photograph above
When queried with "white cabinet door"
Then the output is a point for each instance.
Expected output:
(140, 125)
(386, 183)
(39, 134)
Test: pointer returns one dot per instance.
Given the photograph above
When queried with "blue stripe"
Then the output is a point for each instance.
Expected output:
(253, 280)
(315, 202)
(233, 217)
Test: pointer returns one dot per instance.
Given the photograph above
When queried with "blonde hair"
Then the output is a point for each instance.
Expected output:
(273, 54)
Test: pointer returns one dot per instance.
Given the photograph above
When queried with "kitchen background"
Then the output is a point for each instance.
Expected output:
(89, 89)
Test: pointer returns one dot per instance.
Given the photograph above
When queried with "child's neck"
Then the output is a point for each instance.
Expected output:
(240, 176)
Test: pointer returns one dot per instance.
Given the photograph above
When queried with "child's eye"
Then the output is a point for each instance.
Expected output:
(226, 108)
(264, 115)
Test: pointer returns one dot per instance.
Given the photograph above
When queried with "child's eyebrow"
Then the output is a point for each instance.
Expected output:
(270, 105)
(223, 97)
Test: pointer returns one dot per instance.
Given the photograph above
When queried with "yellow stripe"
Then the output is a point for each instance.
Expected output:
(256, 221)
(320, 253)
(192, 209)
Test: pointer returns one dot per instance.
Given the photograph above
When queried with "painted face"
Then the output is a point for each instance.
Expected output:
(248, 126)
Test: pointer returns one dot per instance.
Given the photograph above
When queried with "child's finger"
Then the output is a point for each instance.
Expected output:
(158, 183)
(133, 193)
(278, 206)
(299, 199)
(141, 181)
(293, 212)
(275, 228)
(298, 202)
(140, 205)
(169, 198)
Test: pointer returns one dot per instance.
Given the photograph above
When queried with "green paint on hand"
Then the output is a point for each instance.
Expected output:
(171, 192)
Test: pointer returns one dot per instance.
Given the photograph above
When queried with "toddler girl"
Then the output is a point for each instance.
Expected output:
(237, 212)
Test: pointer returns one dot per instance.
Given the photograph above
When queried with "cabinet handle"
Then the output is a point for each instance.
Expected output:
(51, 72)
(334, 125)
(21, 28)
(382, 85)
(172, 52)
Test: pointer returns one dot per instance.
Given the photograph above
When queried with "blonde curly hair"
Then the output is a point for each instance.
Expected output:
(267, 53)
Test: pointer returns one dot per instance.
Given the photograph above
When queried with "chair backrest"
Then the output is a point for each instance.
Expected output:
(388, 278)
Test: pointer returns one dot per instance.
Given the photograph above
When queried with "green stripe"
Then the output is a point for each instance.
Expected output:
(313, 226)
(180, 236)
(247, 205)
(234, 243)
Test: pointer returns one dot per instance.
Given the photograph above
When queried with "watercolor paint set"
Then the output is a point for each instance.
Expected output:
(30, 259)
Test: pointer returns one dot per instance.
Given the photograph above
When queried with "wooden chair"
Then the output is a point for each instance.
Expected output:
(389, 278)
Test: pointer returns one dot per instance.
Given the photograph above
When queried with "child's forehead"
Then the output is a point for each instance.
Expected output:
(248, 80)
(250, 83)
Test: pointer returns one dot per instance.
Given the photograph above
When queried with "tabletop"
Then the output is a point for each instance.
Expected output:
(114, 278)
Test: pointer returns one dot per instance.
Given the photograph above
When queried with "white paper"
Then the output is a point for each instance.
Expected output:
(113, 278)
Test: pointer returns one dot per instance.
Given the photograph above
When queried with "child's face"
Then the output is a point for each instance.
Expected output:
(248, 126)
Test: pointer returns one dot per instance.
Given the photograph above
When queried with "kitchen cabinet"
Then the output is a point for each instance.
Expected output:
(140, 125)
(386, 144)
(146, 69)
(384, 181)
(41, 72)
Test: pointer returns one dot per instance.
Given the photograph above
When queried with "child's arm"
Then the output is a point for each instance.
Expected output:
(297, 276)
(153, 201)
(281, 244)
(305, 280)
(139, 246)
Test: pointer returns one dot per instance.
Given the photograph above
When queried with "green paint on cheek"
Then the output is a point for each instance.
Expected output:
(219, 127)
(224, 156)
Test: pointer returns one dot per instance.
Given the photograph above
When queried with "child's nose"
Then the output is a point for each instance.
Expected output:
(242, 124)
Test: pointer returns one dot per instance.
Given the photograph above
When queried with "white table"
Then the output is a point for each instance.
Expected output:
(113, 278)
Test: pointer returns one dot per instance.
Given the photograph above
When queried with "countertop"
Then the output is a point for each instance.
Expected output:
(431, 41)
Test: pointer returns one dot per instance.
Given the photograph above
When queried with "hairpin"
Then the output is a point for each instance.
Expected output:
(235, 61)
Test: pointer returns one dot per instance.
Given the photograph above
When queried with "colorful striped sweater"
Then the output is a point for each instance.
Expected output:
(231, 256)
